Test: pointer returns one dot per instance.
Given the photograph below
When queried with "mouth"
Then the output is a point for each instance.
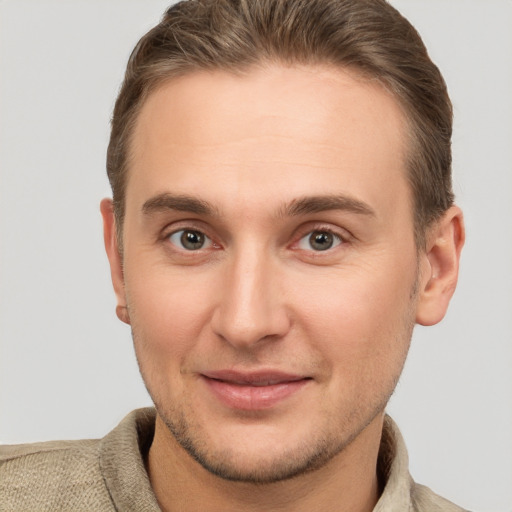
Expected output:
(253, 390)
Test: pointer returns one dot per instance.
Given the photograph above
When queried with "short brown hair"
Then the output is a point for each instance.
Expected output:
(368, 35)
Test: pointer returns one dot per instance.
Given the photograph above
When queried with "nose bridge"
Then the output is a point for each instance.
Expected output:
(250, 304)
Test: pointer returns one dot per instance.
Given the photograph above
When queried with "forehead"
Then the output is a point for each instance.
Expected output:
(275, 131)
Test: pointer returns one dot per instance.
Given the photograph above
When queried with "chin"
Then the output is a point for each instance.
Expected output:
(253, 462)
(261, 454)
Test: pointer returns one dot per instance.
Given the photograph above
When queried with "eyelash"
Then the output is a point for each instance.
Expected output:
(338, 239)
(184, 227)
(206, 238)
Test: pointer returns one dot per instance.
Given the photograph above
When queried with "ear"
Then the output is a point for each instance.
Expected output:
(440, 267)
(114, 258)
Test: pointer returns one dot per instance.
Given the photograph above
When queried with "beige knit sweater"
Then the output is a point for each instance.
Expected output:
(109, 474)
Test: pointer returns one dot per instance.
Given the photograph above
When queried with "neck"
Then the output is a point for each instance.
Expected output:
(348, 482)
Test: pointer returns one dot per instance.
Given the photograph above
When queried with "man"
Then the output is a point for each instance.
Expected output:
(282, 216)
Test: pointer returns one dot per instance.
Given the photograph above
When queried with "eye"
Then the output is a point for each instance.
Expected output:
(319, 240)
(190, 239)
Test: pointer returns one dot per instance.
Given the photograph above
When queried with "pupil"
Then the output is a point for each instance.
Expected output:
(192, 240)
(321, 241)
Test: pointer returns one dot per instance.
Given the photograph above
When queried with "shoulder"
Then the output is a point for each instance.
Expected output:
(54, 475)
(17, 453)
(401, 492)
(425, 500)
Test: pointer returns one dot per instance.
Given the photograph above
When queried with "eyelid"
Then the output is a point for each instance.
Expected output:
(341, 233)
(190, 225)
(184, 224)
(338, 240)
(306, 229)
(208, 242)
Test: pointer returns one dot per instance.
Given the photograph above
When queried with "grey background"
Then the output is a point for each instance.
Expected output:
(66, 364)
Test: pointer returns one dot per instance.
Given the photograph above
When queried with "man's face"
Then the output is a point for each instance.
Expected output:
(269, 263)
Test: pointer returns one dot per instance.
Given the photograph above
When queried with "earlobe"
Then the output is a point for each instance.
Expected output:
(114, 258)
(440, 267)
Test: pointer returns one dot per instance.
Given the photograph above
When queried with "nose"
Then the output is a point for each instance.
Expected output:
(251, 306)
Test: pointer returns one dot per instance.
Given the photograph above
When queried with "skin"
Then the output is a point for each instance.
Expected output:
(259, 295)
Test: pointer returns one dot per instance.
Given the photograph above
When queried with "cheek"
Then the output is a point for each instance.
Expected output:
(168, 313)
(359, 318)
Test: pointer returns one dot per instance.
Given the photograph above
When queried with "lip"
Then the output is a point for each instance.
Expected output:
(251, 391)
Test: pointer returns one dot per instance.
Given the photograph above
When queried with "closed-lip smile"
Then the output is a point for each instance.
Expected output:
(253, 390)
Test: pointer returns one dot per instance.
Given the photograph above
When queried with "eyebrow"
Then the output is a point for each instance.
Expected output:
(315, 204)
(300, 206)
(182, 203)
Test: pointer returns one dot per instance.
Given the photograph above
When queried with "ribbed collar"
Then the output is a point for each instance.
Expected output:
(122, 455)
(393, 467)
